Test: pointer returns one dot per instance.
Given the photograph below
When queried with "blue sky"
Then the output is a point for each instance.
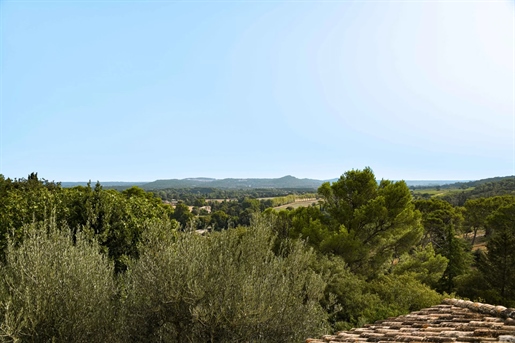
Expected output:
(145, 90)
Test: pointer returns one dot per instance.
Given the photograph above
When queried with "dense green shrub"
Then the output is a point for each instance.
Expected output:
(52, 289)
(346, 298)
(352, 301)
(401, 294)
(225, 287)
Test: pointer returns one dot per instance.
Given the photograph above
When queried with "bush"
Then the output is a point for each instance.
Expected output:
(52, 289)
(401, 294)
(346, 298)
(352, 301)
(227, 286)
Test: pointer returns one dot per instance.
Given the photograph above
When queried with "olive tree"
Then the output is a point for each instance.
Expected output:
(55, 289)
(226, 286)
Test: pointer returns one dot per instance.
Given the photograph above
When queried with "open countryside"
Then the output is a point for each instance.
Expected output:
(289, 261)
(257, 171)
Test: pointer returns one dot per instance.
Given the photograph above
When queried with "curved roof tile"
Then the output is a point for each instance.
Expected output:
(453, 321)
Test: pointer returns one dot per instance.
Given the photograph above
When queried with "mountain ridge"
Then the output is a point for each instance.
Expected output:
(287, 181)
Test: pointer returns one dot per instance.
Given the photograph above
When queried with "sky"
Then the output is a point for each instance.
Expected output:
(146, 90)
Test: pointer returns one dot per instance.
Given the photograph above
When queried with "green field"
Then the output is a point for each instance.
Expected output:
(296, 204)
(439, 192)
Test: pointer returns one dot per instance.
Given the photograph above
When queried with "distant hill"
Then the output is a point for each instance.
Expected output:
(108, 184)
(283, 182)
(176, 183)
(478, 182)
(461, 192)
(432, 183)
(240, 183)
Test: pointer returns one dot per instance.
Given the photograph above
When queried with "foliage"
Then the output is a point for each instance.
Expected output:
(440, 220)
(371, 223)
(227, 286)
(191, 195)
(499, 265)
(182, 214)
(478, 211)
(364, 252)
(52, 289)
(346, 298)
(353, 301)
(401, 294)
(115, 218)
(474, 285)
(483, 189)
(233, 213)
(424, 264)
(25, 201)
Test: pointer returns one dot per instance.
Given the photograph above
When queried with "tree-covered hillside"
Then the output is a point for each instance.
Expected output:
(502, 186)
(283, 182)
(459, 193)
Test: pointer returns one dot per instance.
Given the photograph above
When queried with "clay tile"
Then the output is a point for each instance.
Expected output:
(508, 313)
(453, 321)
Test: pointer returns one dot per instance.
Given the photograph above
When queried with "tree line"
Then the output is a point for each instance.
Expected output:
(191, 196)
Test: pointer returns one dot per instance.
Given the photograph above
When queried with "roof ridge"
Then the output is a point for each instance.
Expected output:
(497, 311)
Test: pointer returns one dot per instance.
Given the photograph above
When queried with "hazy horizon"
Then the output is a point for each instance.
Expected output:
(131, 91)
(246, 178)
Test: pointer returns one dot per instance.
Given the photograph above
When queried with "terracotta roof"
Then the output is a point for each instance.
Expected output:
(452, 321)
